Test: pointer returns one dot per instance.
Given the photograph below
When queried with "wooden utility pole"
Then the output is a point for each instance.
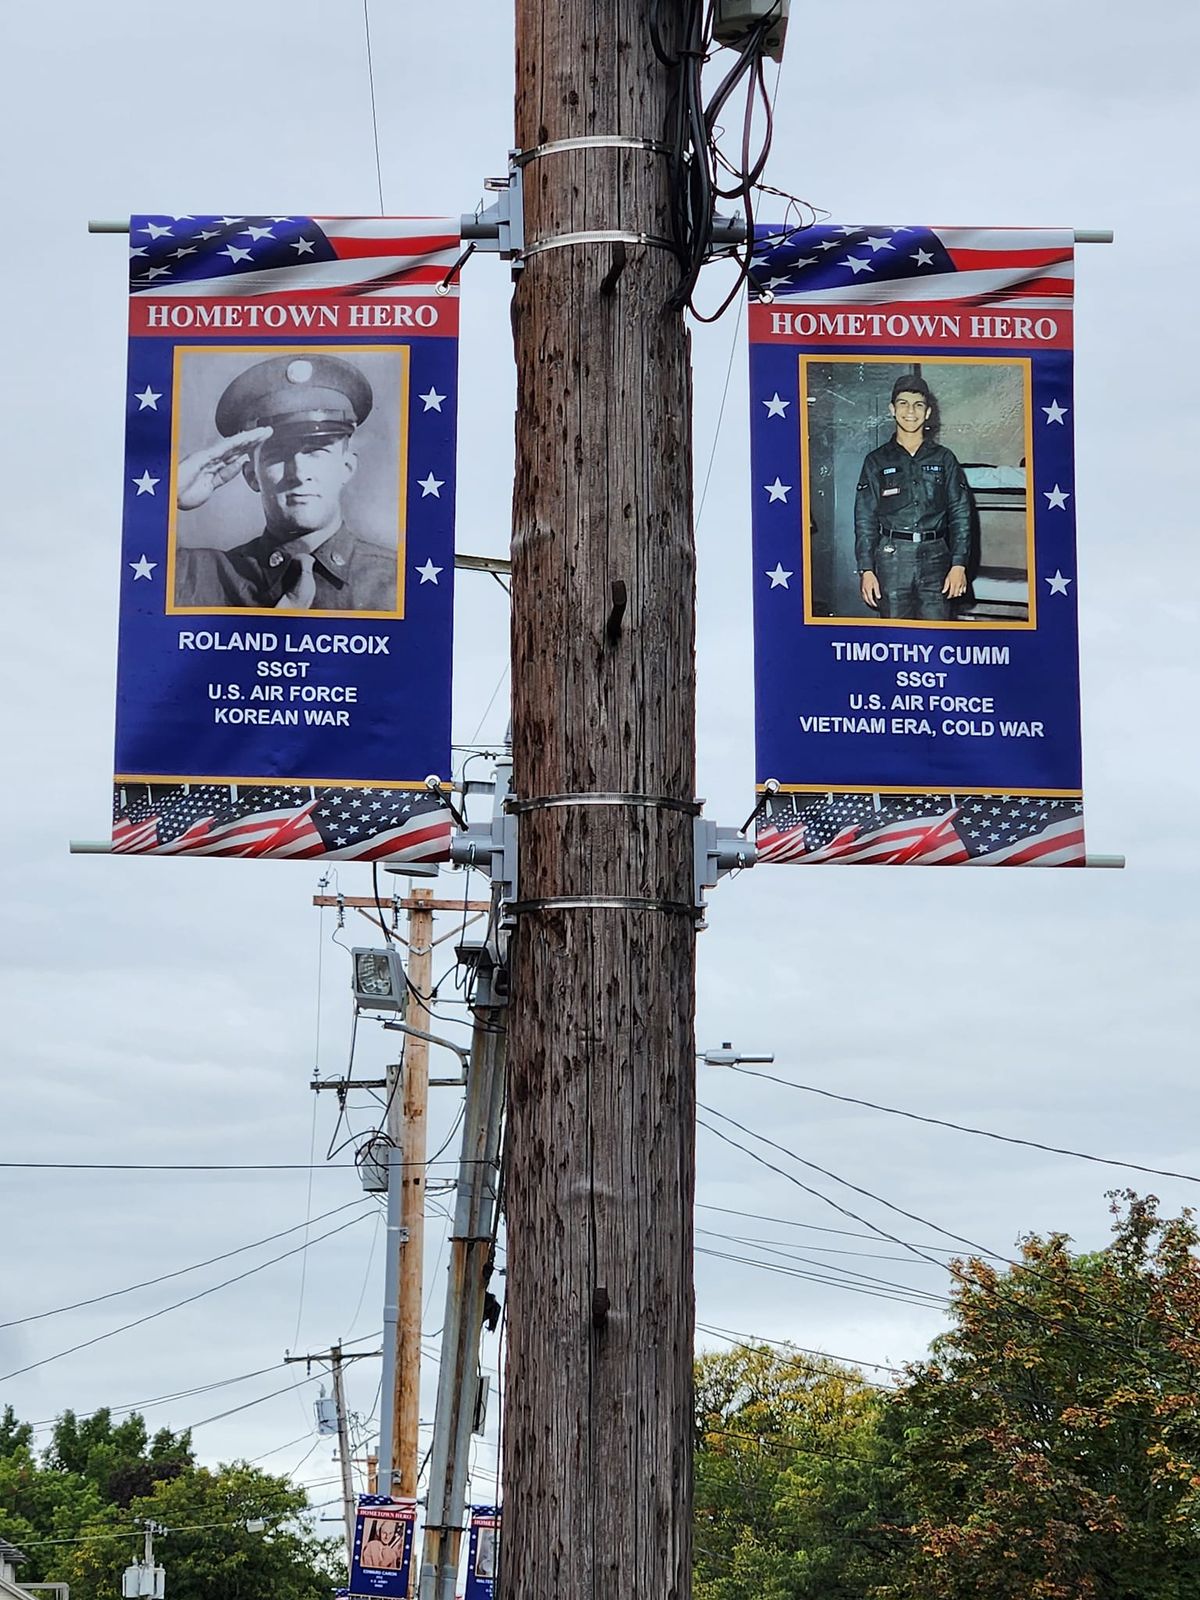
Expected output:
(343, 1437)
(408, 1107)
(600, 1163)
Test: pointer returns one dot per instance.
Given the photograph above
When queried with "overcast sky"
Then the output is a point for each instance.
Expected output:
(171, 1011)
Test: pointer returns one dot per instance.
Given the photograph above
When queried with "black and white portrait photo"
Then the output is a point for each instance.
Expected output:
(917, 497)
(287, 484)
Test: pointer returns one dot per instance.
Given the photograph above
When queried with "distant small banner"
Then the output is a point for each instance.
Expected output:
(287, 564)
(383, 1544)
(913, 482)
(483, 1553)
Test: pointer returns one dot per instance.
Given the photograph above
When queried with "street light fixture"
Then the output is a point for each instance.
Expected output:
(378, 980)
(727, 1056)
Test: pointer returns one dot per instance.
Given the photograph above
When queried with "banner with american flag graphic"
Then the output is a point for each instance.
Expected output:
(287, 558)
(916, 625)
(383, 1542)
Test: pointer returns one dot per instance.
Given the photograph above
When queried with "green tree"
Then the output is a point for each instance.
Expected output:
(77, 1512)
(790, 1479)
(120, 1459)
(208, 1550)
(1049, 1448)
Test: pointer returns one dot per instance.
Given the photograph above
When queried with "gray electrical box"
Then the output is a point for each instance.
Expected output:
(734, 19)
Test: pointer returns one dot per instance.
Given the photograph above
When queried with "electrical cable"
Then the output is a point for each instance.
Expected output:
(179, 1272)
(784, 1344)
(1013, 1308)
(982, 1133)
(374, 117)
(914, 1298)
(191, 1299)
(844, 1233)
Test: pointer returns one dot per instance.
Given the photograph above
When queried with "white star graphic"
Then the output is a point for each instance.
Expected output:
(142, 568)
(777, 491)
(258, 233)
(302, 247)
(431, 486)
(922, 258)
(154, 272)
(229, 221)
(208, 233)
(145, 484)
(856, 265)
(845, 231)
(878, 242)
(156, 232)
(429, 573)
(1055, 412)
(138, 250)
(184, 250)
(1057, 497)
(432, 400)
(774, 283)
(147, 400)
(779, 578)
(775, 406)
(829, 244)
(234, 253)
(1058, 584)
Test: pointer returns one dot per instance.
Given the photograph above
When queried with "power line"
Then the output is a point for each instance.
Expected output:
(916, 1297)
(179, 1272)
(784, 1344)
(814, 1227)
(150, 1316)
(980, 1133)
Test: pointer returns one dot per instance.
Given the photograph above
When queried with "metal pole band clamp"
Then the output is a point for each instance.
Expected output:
(599, 902)
(561, 241)
(649, 802)
(590, 141)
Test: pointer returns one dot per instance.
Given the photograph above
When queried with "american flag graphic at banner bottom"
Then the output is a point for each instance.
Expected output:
(924, 830)
(292, 820)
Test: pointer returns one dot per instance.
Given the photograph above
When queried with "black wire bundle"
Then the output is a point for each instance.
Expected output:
(697, 162)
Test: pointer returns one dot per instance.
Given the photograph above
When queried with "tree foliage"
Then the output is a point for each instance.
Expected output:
(76, 1511)
(1047, 1449)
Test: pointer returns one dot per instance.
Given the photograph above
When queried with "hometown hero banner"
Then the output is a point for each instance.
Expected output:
(916, 630)
(383, 1543)
(287, 560)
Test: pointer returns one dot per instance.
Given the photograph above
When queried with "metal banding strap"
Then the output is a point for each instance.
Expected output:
(600, 902)
(561, 241)
(650, 802)
(590, 141)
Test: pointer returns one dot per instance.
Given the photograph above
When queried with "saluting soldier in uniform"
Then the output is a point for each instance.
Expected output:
(287, 426)
(912, 516)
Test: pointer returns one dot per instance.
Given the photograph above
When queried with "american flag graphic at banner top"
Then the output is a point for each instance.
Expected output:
(1017, 267)
(190, 256)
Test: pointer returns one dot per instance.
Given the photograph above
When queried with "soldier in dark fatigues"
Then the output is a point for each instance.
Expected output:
(288, 427)
(912, 516)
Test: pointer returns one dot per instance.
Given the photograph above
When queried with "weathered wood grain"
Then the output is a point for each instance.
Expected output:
(597, 1428)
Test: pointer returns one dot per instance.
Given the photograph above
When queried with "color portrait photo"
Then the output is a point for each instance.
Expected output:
(916, 489)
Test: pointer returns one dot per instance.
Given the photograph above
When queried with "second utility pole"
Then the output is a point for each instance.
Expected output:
(408, 1108)
(600, 1159)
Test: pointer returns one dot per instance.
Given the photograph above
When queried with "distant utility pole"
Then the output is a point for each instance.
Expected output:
(599, 1173)
(408, 1115)
(337, 1357)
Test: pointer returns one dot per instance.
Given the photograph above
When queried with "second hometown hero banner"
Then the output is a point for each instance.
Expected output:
(916, 632)
(287, 566)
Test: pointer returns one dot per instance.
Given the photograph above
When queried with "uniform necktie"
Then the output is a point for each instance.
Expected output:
(304, 587)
